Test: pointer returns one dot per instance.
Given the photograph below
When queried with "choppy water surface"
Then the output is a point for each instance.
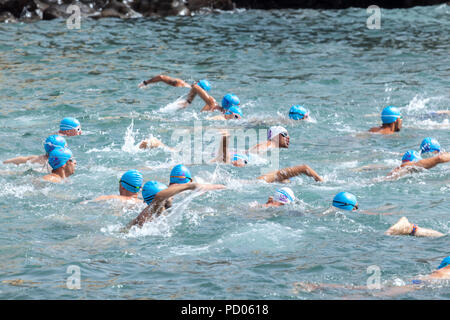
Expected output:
(219, 245)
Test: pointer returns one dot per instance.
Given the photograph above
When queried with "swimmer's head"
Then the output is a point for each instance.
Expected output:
(411, 155)
(150, 189)
(345, 201)
(204, 84)
(230, 100)
(391, 114)
(239, 160)
(280, 134)
(444, 263)
(132, 181)
(70, 127)
(61, 158)
(180, 174)
(430, 145)
(54, 141)
(284, 195)
(233, 113)
(298, 112)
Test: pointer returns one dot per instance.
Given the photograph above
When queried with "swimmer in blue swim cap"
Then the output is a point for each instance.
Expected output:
(345, 201)
(62, 163)
(174, 82)
(281, 197)
(228, 101)
(430, 145)
(70, 127)
(130, 184)
(52, 142)
(237, 159)
(412, 160)
(298, 113)
(391, 121)
(387, 290)
(277, 137)
(158, 196)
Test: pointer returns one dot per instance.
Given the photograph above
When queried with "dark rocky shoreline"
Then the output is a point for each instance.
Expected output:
(33, 10)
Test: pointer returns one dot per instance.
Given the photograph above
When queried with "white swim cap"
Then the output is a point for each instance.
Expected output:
(275, 131)
(284, 195)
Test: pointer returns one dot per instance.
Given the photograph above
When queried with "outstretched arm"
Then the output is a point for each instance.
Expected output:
(166, 79)
(433, 161)
(33, 159)
(286, 173)
(404, 227)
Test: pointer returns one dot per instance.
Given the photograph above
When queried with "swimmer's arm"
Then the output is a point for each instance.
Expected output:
(434, 161)
(20, 160)
(174, 190)
(286, 173)
(152, 143)
(210, 101)
(404, 227)
(166, 79)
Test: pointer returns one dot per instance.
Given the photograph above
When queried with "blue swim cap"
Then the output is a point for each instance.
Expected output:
(238, 156)
(298, 112)
(132, 181)
(180, 174)
(150, 189)
(429, 145)
(444, 263)
(204, 84)
(230, 100)
(69, 124)
(345, 200)
(411, 155)
(54, 141)
(234, 109)
(58, 157)
(390, 114)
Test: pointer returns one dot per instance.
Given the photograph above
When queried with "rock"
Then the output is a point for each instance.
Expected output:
(16, 7)
(7, 17)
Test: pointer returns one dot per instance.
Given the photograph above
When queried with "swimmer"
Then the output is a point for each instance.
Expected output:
(52, 142)
(285, 174)
(277, 137)
(411, 161)
(233, 112)
(281, 197)
(70, 127)
(62, 163)
(158, 198)
(430, 145)
(153, 143)
(298, 112)
(174, 82)
(441, 273)
(228, 101)
(130, 185)
(391, 119)
(404, 227)
(347, 201)
(233, 158)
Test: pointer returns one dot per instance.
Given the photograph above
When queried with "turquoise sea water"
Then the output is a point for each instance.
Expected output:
(220, 245)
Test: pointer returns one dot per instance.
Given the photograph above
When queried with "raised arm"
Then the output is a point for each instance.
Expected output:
(211, 103)
(404, 227)
(286, 173)
(166, 79)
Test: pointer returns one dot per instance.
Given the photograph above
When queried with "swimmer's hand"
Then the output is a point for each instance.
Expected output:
(142, 85)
